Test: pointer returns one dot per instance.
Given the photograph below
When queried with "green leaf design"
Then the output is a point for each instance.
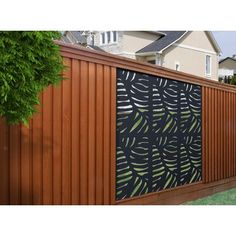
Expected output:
(158, 134)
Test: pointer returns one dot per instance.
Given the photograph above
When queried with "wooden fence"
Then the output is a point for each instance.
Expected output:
(68, 153)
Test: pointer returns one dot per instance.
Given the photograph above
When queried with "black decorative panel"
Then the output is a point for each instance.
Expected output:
(158, 134)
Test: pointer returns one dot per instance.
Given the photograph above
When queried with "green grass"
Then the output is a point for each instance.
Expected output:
(222, 198)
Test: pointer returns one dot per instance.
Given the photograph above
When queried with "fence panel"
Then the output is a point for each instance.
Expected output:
(219, 133)
(64, 156)
(68, 155)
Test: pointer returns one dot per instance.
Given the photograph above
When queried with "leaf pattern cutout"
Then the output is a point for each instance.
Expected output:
(158, 134)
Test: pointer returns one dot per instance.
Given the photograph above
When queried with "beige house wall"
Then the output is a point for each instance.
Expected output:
(198, 39)
(190, 61)
(129, 42)
(136, 40)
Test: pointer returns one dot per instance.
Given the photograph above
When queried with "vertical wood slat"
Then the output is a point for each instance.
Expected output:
(25, 166)
(99, 134)
(113, 137)
(91, 133)
(224, 135)
(75, 130)
(234, 130)
(213, 135)
(221, 134)
(227, 134)
(47, 147)
(57, 145)
(206, 157)
(230, 136)
(14, 162)
(210, 136)
(83, 134)
(203, 136)
(4, 163)
(216, 134)
(106, 137)
(37, 137)
(66, 134)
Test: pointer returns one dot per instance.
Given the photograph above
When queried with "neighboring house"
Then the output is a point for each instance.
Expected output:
(194, 52)
(227, 68)
(80, 38)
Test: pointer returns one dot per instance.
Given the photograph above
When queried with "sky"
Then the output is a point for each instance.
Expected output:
(227, 42)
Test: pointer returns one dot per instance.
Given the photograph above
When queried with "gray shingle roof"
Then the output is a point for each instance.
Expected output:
(78, 36)
(75, 37)
(163, 42)
(64, 39)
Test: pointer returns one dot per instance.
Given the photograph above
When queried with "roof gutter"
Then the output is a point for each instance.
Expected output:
(146, 53)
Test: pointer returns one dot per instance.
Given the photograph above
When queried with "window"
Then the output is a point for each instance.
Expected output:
(103, 38)
(177, 67)
(208, 65)
(108, 37)
(114, 36)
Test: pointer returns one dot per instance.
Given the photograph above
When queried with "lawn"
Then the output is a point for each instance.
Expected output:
(222, 198)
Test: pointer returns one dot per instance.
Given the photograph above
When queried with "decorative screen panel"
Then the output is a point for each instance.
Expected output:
(158, 134)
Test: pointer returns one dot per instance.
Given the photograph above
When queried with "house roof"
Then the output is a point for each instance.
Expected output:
(95, 48)
(227, 58)
(162, 43)
(64, 39)
(169, 38)
(76, 37)
(73, 37)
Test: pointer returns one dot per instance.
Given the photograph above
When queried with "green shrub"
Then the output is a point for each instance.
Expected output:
(233, 80)
(29, 62)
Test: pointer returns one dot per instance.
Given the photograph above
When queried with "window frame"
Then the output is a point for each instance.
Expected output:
(105, 34)
(101, 38)
(210, 65)
(116, 34)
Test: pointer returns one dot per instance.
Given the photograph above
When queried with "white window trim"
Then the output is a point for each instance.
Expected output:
(177, 63)
(208, 75)
(112, 42)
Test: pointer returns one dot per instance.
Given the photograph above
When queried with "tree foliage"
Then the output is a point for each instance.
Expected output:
(233, 80)
(29, 62)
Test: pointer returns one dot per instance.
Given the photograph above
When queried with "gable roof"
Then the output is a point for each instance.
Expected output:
(164, 42)
(169, 38)
(227, 58)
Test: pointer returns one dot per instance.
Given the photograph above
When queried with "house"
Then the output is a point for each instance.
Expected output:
(227, 68)
(80, 38)
(194, 52)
